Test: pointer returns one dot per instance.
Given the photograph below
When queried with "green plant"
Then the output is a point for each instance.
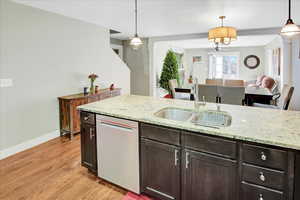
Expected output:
(169, 70)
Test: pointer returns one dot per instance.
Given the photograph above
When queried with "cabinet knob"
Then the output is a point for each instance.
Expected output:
(261, 197)
(86, 118)
(263, 156)
(262, 177)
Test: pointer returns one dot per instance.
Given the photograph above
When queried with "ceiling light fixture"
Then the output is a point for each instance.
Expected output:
(136, 41)
(290, 29)
(222, 34)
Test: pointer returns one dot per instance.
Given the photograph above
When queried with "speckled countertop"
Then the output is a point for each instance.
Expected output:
(265, 126)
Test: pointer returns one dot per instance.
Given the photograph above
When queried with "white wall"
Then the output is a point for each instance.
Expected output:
(48, 55)
(138, 62)
(201, 69)
(275, 44)
(295, 103)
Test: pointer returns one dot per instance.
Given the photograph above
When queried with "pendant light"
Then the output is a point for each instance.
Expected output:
(222, 34)
(290, 29)
(136, 41)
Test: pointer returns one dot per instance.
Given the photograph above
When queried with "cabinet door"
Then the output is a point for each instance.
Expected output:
(88, 147)
(160, 170)
(208, 177)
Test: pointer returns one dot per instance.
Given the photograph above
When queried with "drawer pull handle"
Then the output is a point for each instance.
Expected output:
(262, 177)
(176, 157)
(187, 162)
(86, 118)
(263, 156)
(261, 197)
(91, 134)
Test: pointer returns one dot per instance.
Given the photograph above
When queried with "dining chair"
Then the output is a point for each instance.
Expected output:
(234, 83)
(231, 95)
(283, 99)
(214, 81)
(172, 85)
(209, 92)
(183, 93)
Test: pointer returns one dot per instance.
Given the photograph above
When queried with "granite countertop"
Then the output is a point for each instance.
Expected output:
(260, 125)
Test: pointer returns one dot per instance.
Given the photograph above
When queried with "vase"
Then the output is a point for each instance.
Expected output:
(92, 88)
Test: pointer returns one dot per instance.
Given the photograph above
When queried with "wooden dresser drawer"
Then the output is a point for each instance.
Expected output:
(265, 177)
(105, 95)
(161, 134)
(252, 192)
(209, 144)
(265, 157)
(87, 118)
(115, 93)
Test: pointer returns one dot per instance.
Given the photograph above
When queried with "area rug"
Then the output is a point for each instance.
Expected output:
(132, 196)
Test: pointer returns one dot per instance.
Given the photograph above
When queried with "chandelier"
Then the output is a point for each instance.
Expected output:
(222, 34)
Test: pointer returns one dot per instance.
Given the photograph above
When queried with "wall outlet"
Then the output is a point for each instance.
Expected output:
(6, 82)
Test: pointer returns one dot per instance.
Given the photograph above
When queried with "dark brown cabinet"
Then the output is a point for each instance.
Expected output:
(183, 165)
(160, 172)
(208, 177)
(88, 147)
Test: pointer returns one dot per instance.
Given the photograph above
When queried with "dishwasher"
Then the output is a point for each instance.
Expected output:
(118, 152)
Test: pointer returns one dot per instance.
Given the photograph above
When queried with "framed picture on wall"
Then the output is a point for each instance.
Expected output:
(276, 61)
(197, 59)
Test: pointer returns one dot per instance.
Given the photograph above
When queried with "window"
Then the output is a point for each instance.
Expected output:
(223, 66)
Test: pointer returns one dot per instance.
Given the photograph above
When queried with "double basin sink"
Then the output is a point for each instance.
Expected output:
(208, 118)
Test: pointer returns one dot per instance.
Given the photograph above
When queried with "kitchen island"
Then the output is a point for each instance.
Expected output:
(256, 157)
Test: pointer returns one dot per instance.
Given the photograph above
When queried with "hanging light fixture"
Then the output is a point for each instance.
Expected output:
(222, 34)
(290, 29)
(136, 41)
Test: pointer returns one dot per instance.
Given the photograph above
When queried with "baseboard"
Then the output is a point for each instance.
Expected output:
(28, 144)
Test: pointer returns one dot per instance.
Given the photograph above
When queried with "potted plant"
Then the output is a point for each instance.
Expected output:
(92, 78)
(169, 71)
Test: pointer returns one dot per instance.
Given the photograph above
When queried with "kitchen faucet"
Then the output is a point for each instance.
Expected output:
(197, 102)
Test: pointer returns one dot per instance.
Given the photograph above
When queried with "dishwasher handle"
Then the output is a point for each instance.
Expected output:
(117, 124)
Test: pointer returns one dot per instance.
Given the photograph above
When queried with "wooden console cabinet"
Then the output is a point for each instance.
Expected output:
(68, 114)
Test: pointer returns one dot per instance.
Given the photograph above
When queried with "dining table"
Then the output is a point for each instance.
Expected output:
(258, 95)
(252, 94)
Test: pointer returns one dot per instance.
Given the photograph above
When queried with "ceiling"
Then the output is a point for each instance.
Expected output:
(242, 41)
(172, 17)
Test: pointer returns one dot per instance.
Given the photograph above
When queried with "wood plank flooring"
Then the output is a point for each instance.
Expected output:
(52, 171)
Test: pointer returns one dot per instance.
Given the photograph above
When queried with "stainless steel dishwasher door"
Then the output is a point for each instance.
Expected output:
(118, 152)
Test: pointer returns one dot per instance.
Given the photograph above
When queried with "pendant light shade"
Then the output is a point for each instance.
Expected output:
(290, 29)
(222, 34)
(136, 41)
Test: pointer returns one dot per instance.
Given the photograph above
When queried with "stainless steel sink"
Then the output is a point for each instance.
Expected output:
(209, 118)
(212, 118)
(174, 114)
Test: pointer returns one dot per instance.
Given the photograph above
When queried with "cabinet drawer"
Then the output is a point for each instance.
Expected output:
(265, 157)
(115, 93)
(161, 134)
(105, 95)
(87, 118)
(252, 192)
(265, 177)
(209, 144)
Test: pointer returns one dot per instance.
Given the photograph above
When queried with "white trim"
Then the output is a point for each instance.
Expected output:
(28, 144)
(119, 47)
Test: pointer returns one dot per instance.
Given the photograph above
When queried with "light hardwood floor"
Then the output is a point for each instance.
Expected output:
(52, 171)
